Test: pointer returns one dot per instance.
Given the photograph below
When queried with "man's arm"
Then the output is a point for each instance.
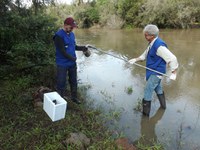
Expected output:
(60, 44)
(143, 56)
(169, 58)
(140, 58)
(81, 48)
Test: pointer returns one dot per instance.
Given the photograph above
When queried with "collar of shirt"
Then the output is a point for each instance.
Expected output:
(152, 42)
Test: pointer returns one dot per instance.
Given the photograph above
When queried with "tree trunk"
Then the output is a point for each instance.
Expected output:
(78, 2)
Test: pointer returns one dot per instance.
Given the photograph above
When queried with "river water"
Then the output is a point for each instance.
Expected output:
(117, 88)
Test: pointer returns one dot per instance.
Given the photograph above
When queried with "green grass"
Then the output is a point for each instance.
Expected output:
(129, 90)
(24, 127)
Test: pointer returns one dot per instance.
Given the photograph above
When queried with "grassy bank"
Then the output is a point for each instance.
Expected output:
(23, 126)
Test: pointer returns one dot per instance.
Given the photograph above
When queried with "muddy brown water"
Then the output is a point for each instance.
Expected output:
(109, 81)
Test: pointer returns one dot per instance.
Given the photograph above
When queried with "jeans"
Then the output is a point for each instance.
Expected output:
(62, 74)
(153, 84)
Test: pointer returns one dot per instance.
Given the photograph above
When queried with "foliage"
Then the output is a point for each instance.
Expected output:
(169, 13)
(87, 17)
(32, 45)
(93, 15)
(108, 14)
(133, 13)
(129, 10)
(26, 39)
(60, 12)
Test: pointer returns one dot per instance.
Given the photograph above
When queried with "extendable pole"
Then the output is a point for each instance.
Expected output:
(128, 61)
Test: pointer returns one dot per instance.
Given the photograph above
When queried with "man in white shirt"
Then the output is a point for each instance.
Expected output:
(157, 56)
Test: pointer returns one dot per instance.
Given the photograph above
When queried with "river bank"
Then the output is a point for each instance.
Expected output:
(25, 125)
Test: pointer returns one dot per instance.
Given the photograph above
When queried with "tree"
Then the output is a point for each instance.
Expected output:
(78, 2)
(24, 37)
(129, 10)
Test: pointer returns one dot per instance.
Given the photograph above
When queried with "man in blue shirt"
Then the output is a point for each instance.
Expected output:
(64, 40)
(157, 56)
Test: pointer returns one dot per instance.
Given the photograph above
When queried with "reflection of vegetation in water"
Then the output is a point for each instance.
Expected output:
(180, 142)
(110, 113)
(178, 138)
(113, 112)
(113, 84)
(83, 89)
(107, 97)
(181, 136)
(110, 118)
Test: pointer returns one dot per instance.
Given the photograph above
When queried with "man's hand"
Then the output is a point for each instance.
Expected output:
(86, 52)
(132, 61)
(85, 48)
(173, 76)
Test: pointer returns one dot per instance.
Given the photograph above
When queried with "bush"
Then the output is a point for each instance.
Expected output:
(128, 10)
(169, 13)
(87, 17)
(108, 14)
(27, 40)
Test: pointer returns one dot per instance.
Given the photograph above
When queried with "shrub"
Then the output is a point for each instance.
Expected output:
(27, 40)
(87, 16)
(169, 13)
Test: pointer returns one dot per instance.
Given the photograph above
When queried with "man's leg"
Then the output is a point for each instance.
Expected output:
(72, 72)
(61, 80)
(151, 84)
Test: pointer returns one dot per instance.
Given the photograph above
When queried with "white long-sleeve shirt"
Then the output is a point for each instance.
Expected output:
(164, 53)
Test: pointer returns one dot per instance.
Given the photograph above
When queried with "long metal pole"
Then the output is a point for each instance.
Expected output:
(128, 61)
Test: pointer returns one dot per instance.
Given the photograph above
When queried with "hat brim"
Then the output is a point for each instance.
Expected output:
(74, 25)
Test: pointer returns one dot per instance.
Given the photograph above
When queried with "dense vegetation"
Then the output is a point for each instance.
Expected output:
(132, 13)
(27, 59)
(26, 38)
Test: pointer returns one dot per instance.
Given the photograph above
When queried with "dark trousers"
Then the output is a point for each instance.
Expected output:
(62, 74)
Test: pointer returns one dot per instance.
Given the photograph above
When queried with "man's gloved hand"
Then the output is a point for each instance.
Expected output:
(173, 76)
(132, 61)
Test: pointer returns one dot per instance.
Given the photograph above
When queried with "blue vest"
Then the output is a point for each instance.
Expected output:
(154, 61)
(69, 43)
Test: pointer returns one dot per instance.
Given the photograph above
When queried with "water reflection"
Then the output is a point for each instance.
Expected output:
(148, 128)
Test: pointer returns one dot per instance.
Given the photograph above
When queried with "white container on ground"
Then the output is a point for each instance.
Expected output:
(55, 111)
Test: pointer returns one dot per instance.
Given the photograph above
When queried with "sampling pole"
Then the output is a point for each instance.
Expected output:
(89, 46)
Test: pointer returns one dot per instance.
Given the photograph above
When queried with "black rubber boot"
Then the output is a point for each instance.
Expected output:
(146, 107)
(76, 100)
(74, 95)
(161, 98)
